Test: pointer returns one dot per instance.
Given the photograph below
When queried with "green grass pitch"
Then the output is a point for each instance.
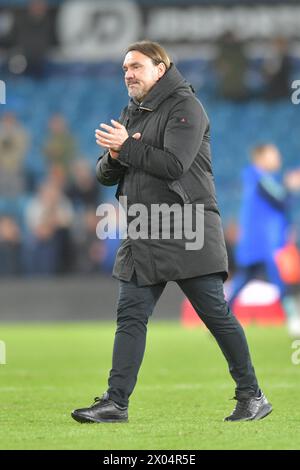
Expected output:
(182, 395)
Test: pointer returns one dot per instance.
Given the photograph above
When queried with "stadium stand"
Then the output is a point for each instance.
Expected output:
(87, 101)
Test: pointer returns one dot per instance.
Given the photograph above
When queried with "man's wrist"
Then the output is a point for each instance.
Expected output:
(114, 153)
(113, 161)
(125, 150)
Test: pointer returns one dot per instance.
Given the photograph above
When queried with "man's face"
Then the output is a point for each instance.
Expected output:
(140, 74)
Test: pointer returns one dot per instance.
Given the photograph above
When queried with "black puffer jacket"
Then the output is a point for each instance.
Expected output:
(171, 163)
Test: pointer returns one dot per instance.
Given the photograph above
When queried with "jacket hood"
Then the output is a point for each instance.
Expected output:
(170, 82)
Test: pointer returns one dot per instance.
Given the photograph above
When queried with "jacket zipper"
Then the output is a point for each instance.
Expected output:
(143, 108)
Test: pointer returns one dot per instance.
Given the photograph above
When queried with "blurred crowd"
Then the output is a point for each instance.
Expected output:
(48, 227)
(238, 80)
(27, 37)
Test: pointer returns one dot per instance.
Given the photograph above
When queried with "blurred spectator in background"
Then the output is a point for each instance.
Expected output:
(277, 71)
(49, 218)
(57, 176)
(88, 248)
(32, 34)
(60, 147)
(10, 247)
(83, 189)
(6, 26)
(13, 147)
(231, 67)
(265, 228)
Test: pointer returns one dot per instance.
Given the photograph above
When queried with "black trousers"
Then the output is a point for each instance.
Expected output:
(135, 306)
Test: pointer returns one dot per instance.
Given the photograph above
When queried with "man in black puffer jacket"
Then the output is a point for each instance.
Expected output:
(159, 154)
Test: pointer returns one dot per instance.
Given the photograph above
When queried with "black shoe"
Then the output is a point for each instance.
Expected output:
(250, 409)
(103, 410)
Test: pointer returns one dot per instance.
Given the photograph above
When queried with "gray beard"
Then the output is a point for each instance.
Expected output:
(138, 99)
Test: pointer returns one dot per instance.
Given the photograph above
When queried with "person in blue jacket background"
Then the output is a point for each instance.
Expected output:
(265, 226)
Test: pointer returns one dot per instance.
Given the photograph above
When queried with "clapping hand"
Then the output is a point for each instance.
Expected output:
(113, 137)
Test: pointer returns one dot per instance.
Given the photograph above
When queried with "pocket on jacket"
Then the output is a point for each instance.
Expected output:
(198, 188)
(177, 188)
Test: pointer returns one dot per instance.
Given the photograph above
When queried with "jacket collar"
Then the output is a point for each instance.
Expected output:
(169, 82)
